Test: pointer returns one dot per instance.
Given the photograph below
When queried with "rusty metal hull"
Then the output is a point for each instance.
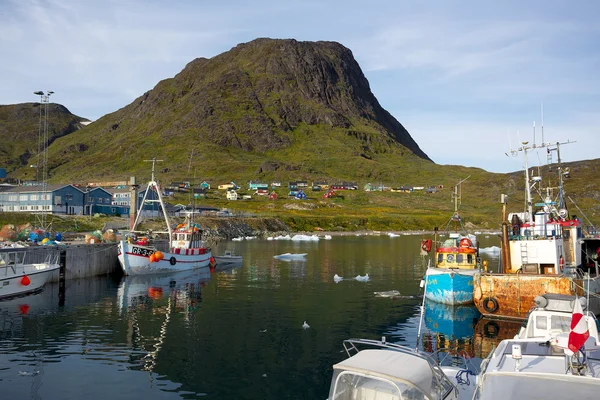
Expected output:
(490, 332)
(511, 295)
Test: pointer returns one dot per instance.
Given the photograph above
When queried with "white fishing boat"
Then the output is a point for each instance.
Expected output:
(560, 365)
(17, 277)
(552, 315)
(186, 248)
(387, 371)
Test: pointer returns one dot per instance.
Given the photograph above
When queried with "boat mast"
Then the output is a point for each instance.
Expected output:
(154, 184)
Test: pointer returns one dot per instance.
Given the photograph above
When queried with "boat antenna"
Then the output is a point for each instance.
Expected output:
(542, 123)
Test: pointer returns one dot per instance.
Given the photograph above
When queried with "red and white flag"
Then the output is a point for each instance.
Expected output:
(579, 330)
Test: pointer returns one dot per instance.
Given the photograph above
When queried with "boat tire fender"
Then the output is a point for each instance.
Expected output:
(491, 329)
(172, 260)
(486, 304)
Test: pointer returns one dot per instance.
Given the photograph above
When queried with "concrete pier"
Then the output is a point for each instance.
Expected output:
(80, 261)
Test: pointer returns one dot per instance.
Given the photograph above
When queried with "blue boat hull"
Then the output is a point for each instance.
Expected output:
(449, 286)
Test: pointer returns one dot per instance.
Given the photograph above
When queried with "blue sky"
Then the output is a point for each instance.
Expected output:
(466, 78)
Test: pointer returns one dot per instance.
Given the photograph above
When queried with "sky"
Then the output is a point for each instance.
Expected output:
(467, 79)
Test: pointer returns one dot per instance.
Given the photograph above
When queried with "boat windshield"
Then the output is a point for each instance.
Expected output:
(12, 258)
(350, 386)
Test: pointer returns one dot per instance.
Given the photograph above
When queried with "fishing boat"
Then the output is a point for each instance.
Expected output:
(450, 279)
(546, 251)
(382, 370)
(186, 248)
(17, 277)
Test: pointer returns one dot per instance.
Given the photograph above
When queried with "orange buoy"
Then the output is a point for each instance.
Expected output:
(25, 281)
(155, 292)
(158, 255)
(152, 258)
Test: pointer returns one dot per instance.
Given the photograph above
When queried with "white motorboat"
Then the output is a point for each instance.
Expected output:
(186, 248)
(539, 369)
(552, 316)
(18, 277)
(228, 259)
(542, 362)
(387, 371)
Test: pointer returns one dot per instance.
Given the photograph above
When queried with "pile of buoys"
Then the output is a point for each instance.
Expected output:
(156, 256)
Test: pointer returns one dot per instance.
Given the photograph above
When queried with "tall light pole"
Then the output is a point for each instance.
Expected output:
(43, 150)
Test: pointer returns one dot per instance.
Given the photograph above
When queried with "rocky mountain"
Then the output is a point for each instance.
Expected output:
(264, 107)
(20, 131)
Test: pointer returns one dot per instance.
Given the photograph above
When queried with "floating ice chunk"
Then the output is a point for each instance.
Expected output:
(25, 373)
(305, 325)
(263, 331)
(337, 278)
(362, 278)
(280, 237)
(305, 238)
(392, 234)
(290, 256)
(250, 237)
(270, 238)
(488, 250)
(327, 237)
(389, 293)
(237, 239)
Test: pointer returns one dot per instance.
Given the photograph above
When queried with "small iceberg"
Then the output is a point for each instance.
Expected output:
(270, 238)
(362, 278)
(327, 237)
(281, 237)
(250, 237)
(337, 278)
(305, 238)
(389, 293)
(237, 239)
(305, 325)
(392, 234)
(290, 256)
(490, 250)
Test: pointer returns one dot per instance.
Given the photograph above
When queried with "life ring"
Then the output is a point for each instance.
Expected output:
(491, 329)
(486, 304)
(426, 245)
(173, 261)
(465, 243)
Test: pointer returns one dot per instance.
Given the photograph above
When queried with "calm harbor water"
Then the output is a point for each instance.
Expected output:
(232, 334)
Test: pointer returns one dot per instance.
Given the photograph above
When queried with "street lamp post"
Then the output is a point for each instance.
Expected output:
(43, 151)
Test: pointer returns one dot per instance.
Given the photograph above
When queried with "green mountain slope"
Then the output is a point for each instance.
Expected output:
(20, 128)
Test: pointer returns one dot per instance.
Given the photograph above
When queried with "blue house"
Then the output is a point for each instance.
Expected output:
(59, 199)
(98, 200)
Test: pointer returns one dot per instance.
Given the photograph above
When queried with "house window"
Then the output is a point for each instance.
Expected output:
(90, 200)
(68, 197)
(23, 197)
(12, 197)
(34, 197)
(113, 210)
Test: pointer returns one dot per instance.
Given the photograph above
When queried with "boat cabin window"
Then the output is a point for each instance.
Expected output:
(440, 258)
(541, 322)
(560, 323)
(449, 258)
(470, 258)
(349, 386)
(460, 258)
